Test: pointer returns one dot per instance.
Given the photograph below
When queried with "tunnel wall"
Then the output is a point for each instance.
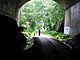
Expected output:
(8, 7)
(11, 7)
(72, 20)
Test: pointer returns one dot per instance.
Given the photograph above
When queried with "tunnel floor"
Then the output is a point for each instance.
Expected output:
(48, 49)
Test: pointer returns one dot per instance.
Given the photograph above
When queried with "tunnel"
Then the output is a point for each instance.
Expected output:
(11, 8)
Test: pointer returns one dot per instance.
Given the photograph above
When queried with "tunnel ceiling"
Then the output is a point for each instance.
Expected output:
(21, 2)
(67, 3)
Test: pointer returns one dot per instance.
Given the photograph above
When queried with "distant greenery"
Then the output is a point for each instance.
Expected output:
(59, 35)
(47, 11)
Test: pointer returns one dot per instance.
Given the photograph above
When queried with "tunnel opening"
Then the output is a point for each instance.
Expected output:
(45, 17)
(49, 47)
(50, 12)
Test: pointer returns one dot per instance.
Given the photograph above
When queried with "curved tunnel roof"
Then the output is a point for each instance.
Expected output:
(67, 3)
(64, 3)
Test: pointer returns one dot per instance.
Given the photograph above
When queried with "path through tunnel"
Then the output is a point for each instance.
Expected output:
(44, 48)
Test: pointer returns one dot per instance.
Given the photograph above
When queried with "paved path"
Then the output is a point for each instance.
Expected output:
(49, 49)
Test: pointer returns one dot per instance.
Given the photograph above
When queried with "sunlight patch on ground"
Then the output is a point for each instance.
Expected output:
(42, 35)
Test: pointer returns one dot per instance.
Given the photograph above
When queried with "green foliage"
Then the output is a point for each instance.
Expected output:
(46, 10)
(29, 37)
(59, 36)
(22, 22)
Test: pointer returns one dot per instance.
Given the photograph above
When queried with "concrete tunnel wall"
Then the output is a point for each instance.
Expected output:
(72, 20)
(66, 4)
(8, 7)
(11, 7)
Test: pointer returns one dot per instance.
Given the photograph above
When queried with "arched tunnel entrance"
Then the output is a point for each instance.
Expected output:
(47, 18)
(53, 48)
(37, 17)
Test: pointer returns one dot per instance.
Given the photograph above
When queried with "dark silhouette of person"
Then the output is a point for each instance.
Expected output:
(12, 41)
(39, 32)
